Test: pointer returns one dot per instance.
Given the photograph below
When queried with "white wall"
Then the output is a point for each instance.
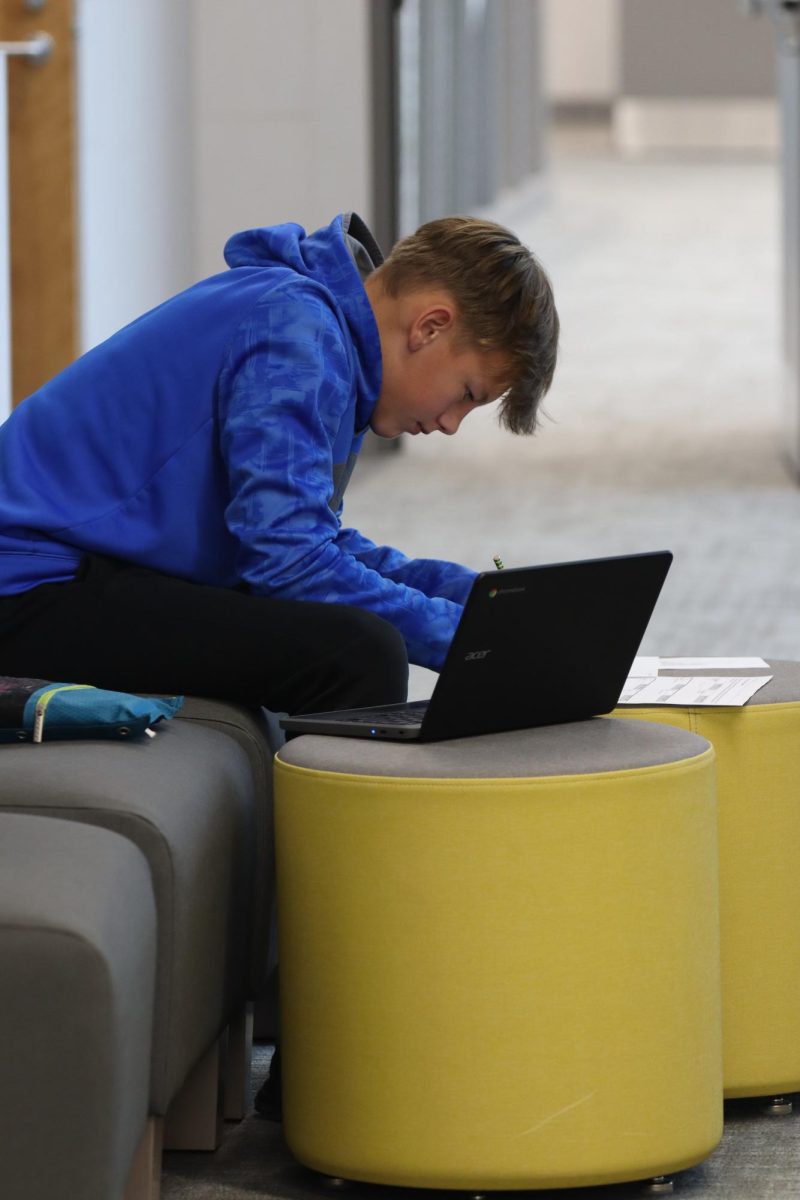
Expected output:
(134, 158)
(5, 254)
(581, 51)
(281, 116)
(197, 118)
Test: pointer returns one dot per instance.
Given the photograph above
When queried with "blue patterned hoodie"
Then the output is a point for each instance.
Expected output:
(213, 438)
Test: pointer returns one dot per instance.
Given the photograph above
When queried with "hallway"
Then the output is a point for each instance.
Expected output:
(664, 417)
(663, 432)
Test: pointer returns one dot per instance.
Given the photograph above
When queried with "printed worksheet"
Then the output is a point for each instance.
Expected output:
(709, 664)
(730, 691)
(643, 666)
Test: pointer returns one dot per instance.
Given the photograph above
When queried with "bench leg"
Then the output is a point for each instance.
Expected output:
(237, 1075)
(144, 1180)
(194, 1119)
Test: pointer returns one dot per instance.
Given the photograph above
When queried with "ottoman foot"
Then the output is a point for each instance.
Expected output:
(659, 1185)
(778, 1106)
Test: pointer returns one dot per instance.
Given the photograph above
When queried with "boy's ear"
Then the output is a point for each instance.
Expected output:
(429, 324)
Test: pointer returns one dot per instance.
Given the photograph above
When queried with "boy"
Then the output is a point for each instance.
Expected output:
(170, 504)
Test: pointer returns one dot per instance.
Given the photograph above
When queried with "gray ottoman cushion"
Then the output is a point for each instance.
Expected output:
(582, 747)
(77, 971)
(185, 799)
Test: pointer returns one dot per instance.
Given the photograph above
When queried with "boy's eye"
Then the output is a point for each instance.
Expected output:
(468, 396)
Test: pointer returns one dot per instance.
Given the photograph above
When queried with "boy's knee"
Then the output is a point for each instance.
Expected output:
(377, 661)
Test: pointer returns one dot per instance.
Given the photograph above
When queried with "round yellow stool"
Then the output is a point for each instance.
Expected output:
(499, 956)
(758, 791)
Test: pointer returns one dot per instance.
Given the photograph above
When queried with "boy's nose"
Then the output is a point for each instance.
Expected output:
(450, 420)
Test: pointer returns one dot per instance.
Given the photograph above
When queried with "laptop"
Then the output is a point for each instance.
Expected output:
(535, 646)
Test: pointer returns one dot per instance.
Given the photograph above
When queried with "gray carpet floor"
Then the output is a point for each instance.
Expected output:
(664, 430)
(758, 1159)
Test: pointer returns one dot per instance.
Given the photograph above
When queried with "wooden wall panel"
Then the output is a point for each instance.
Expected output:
(41, 105)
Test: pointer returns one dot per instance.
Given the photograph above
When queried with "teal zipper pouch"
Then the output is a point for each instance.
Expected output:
(33, 710)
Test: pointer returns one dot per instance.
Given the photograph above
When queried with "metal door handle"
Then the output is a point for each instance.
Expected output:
(37, 50)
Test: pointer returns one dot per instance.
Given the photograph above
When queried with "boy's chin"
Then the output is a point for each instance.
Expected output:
(382, 432)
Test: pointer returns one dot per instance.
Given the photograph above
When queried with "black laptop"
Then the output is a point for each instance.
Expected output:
(534, 646)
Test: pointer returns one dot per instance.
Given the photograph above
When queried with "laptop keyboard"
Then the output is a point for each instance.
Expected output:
(412, 714)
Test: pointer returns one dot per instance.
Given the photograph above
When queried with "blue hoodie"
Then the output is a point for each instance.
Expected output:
(212, 439)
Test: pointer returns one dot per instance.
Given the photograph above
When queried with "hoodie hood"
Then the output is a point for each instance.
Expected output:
(329, 257)
(305, 253)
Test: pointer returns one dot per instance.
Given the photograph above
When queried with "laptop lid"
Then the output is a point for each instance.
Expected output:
(545, 645)
(535, 646)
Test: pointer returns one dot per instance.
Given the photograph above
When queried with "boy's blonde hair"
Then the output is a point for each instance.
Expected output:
(503, 296)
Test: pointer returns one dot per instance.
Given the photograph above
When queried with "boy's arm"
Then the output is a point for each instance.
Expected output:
(282, 396)
(433, 576)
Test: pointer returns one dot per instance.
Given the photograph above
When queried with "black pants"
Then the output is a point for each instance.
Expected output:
(131, 629)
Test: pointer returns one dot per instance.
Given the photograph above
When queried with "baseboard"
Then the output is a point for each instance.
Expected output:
(696, 124)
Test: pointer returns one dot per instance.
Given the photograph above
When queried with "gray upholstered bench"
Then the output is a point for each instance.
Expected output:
(259, 735)
(77, 974)
(188, 800)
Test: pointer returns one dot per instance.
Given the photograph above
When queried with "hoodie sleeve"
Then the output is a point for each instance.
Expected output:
(286, 388)
(433, 576)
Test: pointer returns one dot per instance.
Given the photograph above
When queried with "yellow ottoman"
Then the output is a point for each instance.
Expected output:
(758, 788)
(499, 956)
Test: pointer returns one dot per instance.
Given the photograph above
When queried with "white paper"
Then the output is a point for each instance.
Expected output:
(710, 690)
(644, 666)
(709, 664)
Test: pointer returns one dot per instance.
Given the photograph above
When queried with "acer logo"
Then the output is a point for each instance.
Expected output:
(473, 654)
